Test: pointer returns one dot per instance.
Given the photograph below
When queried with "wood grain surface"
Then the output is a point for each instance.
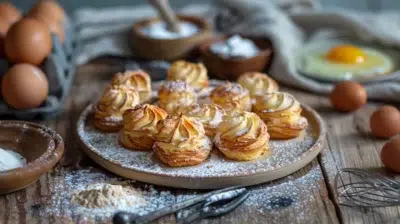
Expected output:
(349, 144)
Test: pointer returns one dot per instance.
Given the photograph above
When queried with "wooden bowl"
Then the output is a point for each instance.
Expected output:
(232, 68)
(168, 49)
(41, 147)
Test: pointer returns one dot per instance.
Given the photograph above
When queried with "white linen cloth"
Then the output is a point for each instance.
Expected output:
(286, 22)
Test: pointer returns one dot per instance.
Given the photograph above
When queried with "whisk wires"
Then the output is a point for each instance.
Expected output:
(361, 188)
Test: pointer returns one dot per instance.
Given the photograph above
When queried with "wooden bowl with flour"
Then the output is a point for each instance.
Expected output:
(153, 48)
(40, 147)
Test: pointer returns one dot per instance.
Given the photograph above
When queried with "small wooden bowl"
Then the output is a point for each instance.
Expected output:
(232, 68)
(168, 49)
(41, 147)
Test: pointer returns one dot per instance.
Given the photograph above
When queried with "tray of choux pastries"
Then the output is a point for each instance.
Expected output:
(189, 131)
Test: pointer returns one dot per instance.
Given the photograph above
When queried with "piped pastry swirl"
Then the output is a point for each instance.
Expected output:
(282, 114)
(195, 74)
(257, 83)
(140, 126)
(138, 80)
(210, 115)
(174, 96)
(242, 136)
(231, 96)
(181, 141)
(115, 100)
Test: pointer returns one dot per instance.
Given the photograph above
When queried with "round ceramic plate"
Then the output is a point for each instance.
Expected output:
(365, 78)
(285, 157)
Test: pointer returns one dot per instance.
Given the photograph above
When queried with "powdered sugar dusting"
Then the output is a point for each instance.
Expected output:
(232, 88)
(105, 144)
(279, 201)
(274, 202)
(177, 86)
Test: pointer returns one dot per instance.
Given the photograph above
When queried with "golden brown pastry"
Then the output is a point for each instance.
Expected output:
(210, 115)
(138, 79)
(181, 141)
(282, 114)
(140, 126)
(115, 100)
(242, 136)
(257, 83)
(174, 96)
(193, 73)
(231, 96)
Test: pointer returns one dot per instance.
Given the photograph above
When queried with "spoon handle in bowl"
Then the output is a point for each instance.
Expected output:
(166, 14)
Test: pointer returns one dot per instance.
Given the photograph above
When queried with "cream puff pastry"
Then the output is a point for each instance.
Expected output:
(138, 79)
(140, 126)
(282, 114)
(181, 141)
(193, 73)
(242, 136)
(210, 115)
(115, 100)
(174, 96)
(257, 83)
(231, 96)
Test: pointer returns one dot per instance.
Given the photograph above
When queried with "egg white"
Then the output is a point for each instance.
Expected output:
(312, 61)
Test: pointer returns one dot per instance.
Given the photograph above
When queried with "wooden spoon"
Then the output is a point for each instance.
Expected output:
(166, 13)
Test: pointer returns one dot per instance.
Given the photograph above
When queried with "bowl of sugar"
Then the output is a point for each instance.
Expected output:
(229, 56)
(150, 38)
(27, 150)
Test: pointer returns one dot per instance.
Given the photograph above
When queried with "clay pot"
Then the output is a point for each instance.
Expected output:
(40, 146)
(167, 49)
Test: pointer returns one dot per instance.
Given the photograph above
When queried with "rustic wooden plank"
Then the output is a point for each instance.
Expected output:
(311, 202)
(350, 144)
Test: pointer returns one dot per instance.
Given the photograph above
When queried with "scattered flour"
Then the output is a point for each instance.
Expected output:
(273, 201)
(94, 194)
(158, 30)
(10, 160)
(104, 195)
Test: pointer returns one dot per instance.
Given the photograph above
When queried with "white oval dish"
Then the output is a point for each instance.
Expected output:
(368, 77)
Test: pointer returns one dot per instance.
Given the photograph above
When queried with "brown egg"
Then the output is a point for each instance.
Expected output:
(348, 96)
(385, 122)
(390, 154)
(48, 9)
(4, 25)
(24, 86)
(55, 27)
(28, 41)
(9, 12)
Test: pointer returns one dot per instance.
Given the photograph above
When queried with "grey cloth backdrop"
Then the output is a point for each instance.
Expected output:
(72, 5)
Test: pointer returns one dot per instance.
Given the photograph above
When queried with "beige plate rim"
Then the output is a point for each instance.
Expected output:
(212, 182)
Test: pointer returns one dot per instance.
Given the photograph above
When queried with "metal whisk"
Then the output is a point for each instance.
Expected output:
(361, 188)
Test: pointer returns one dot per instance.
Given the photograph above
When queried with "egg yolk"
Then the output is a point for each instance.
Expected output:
(346, 54)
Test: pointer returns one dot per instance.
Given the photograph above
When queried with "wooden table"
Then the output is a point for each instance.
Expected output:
(349, 144)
